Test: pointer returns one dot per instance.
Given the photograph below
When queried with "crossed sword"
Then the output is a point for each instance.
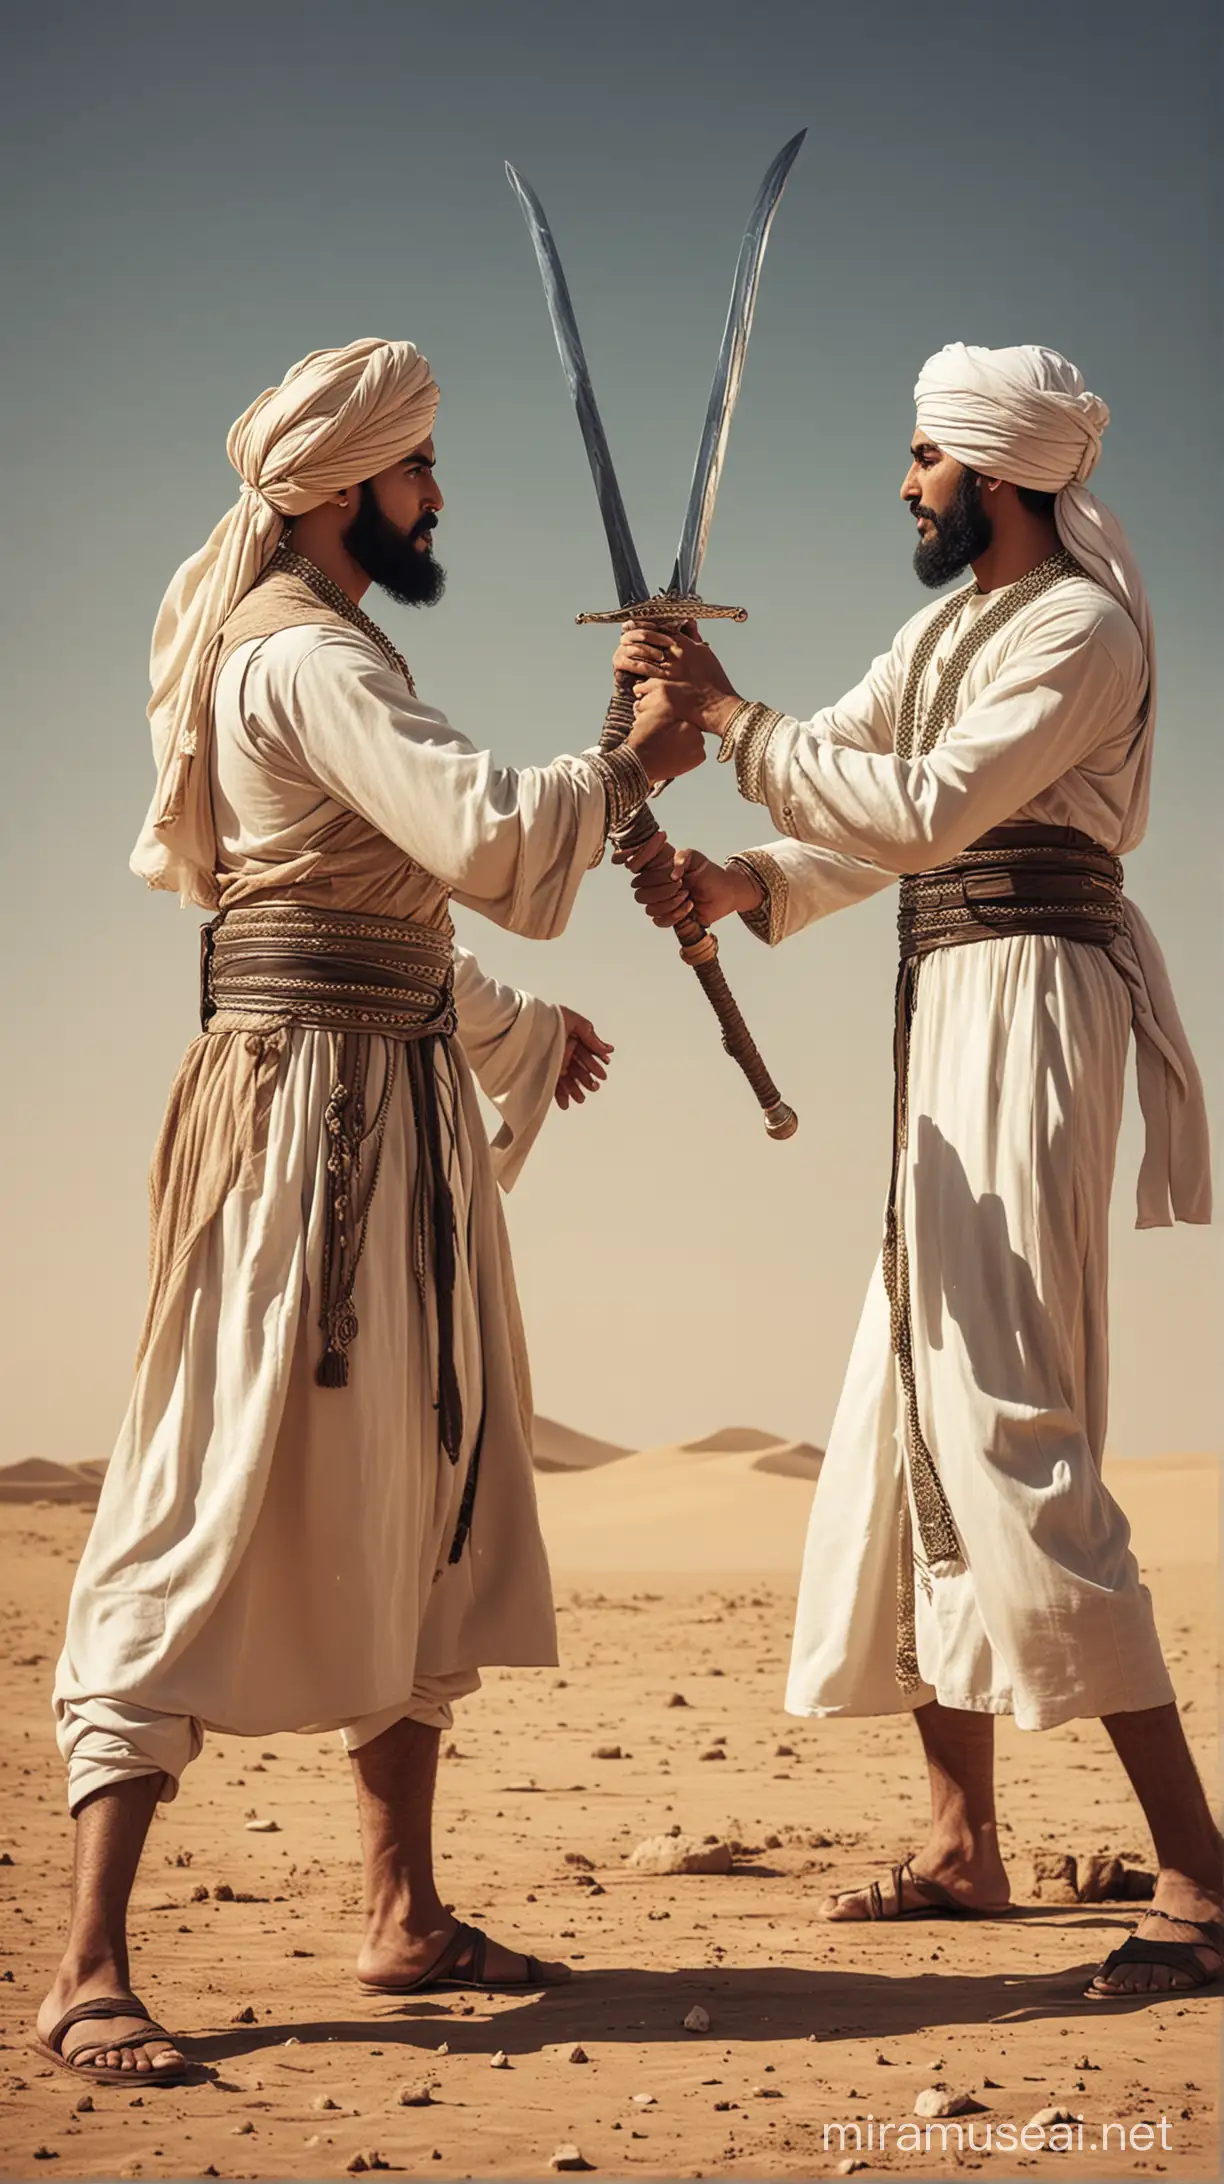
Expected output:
(680, 602)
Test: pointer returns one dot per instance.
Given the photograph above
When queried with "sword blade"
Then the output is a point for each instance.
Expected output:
(626, 568)
(728, 373)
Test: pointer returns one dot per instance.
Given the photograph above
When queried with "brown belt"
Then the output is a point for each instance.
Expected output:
(1015, 880)
(354, 975)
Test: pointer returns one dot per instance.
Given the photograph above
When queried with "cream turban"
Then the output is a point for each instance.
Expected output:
(1025, 415)
(339, 416)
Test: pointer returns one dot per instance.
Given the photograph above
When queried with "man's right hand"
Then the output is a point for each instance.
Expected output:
(669, 887)
(667, 745)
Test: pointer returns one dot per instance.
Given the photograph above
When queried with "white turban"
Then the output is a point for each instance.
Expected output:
(338, 417)
(1025, 415)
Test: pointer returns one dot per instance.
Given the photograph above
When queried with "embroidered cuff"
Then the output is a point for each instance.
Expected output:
(626, 787)
(768, 920)
(753, 728)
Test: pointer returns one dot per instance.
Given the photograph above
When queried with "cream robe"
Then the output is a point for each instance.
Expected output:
(269, 1554)
(1016, 1081)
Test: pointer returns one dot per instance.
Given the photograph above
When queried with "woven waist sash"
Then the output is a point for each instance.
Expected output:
(1015, 880)
(1051, 880)
(335, 970)
(267, 965)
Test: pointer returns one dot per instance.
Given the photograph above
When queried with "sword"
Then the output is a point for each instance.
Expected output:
(681, 601)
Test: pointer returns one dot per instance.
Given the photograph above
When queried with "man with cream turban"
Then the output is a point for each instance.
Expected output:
(964, 1557)
(320, 1512)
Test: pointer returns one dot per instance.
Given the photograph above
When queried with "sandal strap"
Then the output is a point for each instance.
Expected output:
(445, 1964)
(109, 2005)
(1175, 1956)
(148, 2038)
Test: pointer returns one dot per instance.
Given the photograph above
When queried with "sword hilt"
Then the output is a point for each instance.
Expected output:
(665, 609)
(698, 946)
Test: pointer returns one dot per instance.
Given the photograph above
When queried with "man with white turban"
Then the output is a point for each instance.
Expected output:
(320, 1512)
(965, 1558)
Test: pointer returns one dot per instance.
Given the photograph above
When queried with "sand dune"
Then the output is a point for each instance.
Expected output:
(732, 1440)
(36, 1480)
(559, 1448)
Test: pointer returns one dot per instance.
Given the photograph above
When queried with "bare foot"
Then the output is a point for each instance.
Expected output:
(1180, 1910)
(924, 1884)
(393, 1959)
(155, 2055)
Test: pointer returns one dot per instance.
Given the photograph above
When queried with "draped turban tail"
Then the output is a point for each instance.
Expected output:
(1025, 415)
(338, 417)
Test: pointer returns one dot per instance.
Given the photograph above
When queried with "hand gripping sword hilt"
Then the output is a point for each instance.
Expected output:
(698, 946)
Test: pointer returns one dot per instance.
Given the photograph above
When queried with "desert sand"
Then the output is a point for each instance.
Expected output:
(675, 1572)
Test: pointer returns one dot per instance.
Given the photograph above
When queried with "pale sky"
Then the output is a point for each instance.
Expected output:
(201, 199)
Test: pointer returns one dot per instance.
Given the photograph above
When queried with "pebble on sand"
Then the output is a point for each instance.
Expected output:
(698, 2020)
(680, 1854)
(577, 2054)
(411, 2096)
(606, 1751)
(500, 2061)
(569, 2157)
(934, 2102)
(1046, 2118)
(262, 1827)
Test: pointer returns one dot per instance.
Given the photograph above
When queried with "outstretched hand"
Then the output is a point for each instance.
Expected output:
(672, 884)
(584, 1065)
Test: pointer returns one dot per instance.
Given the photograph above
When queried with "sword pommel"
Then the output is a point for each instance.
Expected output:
(666, 608)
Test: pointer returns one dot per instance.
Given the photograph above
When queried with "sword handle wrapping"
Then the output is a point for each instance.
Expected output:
(699, 947)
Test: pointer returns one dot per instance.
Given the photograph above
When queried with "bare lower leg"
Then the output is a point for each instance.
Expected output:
(961, 1852)
(1152, 1747)
(110, 1835)
(409, 1925)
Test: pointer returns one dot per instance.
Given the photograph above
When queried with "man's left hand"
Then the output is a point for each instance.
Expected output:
(584, 1064)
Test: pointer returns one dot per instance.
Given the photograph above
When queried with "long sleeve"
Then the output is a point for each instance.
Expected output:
(513, 845)
(1072, 686)
(514, 1044)
(803, 883)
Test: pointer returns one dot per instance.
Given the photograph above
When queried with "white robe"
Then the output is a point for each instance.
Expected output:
(1017, 1066)
(269, 1554)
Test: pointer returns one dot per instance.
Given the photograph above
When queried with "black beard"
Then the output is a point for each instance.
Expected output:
(390, 557)
(961, 534)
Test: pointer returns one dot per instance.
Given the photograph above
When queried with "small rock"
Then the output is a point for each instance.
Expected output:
(1054, 1877)
(698, 2020)
(849, 2165)
(1137, 1886)
(933, 2102)
(606, 1751)
(713, 1751)
(785, 1751)
(578, 1858)
(85, 2106)
(680, 1854)
(244, 2017)
(410, 2096)
(767, 2092)
(1045, 2118)
(223, 1893)
(644, 2100)
(568, 2157)
(243, 2130)
(45, 2153)
(773, 1842)
(356, 2164)
(677, 1699)
(323, 2102)
(443, 2048)
(199, 1893)
(500, 2061)
(1098, 1877)
(264, 1827)
(577, 2055)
